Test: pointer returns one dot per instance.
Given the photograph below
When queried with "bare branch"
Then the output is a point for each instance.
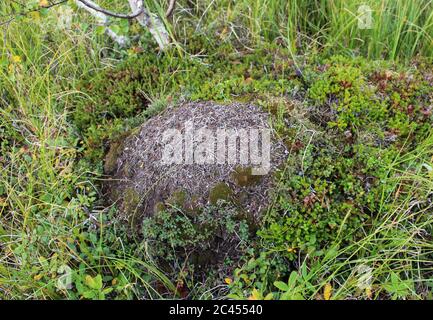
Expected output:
(145, 18)
(103, 20)
(95, 7)
(152, 22)
(170, 8)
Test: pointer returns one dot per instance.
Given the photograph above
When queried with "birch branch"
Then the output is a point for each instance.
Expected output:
(170, 8)
(152, 22)
(102, 18)
(145, 18)
(94, 6)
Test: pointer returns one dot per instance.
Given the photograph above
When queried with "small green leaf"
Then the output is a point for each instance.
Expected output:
(281, 285)
(90, 282)
(94, 283)
(98, 282)
(115, 28)
(293, 279)
(124, 26)
(100, 30)
(89, 294)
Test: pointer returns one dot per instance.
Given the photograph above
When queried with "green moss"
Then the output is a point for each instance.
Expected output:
(130, 207)
(116, 149)
(221, 191)
(183, 201)
(178, 199)
(243, 177)
(159, 207)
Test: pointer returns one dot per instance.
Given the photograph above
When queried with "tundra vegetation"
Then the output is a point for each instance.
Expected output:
(351, 210)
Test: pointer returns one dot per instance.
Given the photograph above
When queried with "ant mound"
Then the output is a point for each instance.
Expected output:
(195, 159)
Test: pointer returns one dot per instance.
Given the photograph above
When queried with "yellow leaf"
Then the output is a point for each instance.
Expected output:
(223, 32)
(228, 281)
(255, 295)
(44, 3)
(248, 80)
(368, 292)
(35, 15)
(16, 59)
(89, 281)
(38, 277)
(269, 296)
(327, 291)
(3, 202)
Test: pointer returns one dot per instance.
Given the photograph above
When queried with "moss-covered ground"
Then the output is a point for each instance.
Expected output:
(351, 213)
